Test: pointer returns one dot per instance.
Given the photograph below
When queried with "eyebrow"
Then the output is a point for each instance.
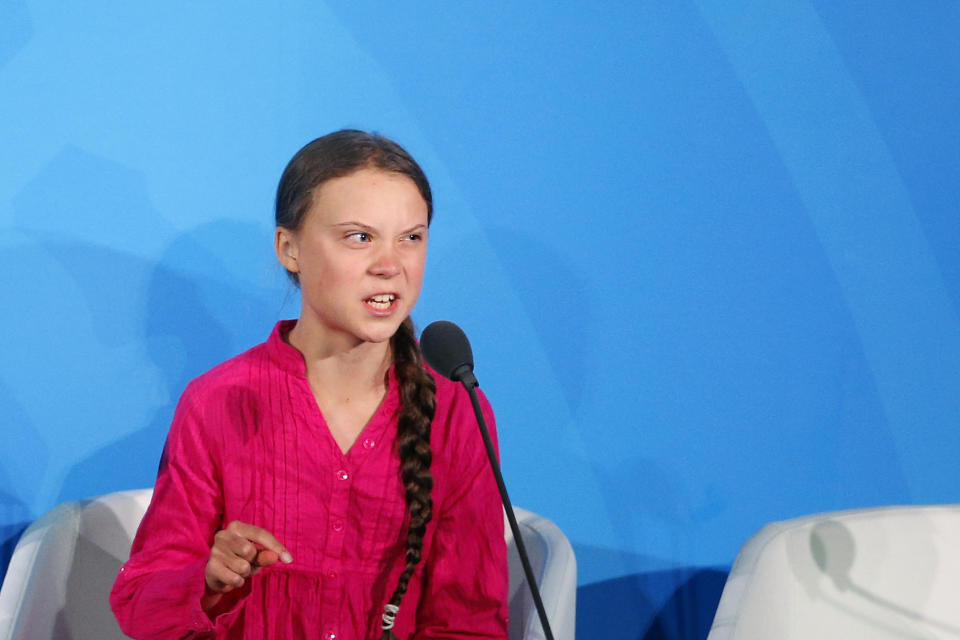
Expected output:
(354, 223)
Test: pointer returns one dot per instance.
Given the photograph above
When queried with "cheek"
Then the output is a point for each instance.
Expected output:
(416, 269)
(329, 270)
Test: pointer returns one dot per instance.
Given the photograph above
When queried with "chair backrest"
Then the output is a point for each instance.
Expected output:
(555, 568)
(64, 565)
(890, 572)
(59, 578)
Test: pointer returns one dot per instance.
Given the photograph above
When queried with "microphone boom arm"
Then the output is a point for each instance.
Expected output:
(470, 383)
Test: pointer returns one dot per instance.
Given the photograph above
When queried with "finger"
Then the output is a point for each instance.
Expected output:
(231, 562)
(262, 537)
(221, 579)
(265, 558)
(231, 543)
(227, 583)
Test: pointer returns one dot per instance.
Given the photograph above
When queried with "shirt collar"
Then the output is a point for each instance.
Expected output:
(290, 360)
(283, 354)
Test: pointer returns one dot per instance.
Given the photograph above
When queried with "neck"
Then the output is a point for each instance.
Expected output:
(340, 362)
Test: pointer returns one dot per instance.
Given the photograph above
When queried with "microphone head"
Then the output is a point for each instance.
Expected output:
(445, 348)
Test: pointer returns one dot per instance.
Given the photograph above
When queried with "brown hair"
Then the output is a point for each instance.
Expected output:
(336, 155)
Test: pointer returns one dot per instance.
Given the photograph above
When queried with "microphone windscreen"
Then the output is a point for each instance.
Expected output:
(445, 348)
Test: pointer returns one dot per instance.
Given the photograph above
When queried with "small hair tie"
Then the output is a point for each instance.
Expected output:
(389, 615)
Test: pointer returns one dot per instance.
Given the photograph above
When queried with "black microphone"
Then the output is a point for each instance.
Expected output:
(446, 349)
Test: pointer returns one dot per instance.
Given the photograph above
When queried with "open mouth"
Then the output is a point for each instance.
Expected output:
(381, 301)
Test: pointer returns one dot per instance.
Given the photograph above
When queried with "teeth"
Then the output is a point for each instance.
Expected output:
(381, 301)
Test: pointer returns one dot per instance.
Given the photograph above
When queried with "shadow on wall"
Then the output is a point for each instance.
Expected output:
(544, 278)
(23, 456)
(199, 312)
(180, 334)
(627, 608)
(16, 29)
(150, 316)
(11, 528)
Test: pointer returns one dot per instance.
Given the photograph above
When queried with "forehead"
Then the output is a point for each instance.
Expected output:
(369, 195)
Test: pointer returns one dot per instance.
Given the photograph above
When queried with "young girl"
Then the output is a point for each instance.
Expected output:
(323, 484)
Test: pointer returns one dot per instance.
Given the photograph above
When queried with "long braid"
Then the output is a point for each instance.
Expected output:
(417, 407)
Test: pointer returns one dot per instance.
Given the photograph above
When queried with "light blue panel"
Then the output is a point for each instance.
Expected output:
(675, 301)
(708, 253)
(899, 301)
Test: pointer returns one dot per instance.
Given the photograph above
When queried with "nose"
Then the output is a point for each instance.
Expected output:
(386, 264)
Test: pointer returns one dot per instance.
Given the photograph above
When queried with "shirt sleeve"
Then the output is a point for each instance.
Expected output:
(466, 575)
(158, 591)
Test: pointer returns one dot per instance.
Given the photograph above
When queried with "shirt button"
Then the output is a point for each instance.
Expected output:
(368, 443)
(343, 475)
(338, 525)
(330, 635)
(332, 575)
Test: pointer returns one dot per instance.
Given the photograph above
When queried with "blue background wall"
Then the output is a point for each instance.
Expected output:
(708, 252)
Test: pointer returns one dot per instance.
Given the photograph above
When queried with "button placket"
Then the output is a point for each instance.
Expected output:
(339, 504)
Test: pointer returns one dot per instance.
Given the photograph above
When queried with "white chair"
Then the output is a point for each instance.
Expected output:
(889, 572)
(62, 569)
(555, 568)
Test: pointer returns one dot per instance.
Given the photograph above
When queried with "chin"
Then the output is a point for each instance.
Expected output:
(380, 334)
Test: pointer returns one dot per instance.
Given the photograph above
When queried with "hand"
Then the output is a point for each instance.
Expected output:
(238, 552)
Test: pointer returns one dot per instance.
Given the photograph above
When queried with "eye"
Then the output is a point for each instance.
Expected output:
(359, 236)
(415, 237)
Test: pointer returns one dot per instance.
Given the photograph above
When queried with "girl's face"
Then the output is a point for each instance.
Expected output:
(359, 255)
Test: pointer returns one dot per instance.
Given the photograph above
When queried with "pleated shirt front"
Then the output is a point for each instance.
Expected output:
(248, 442)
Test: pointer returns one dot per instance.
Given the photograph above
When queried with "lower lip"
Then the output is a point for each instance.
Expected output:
(382, 311)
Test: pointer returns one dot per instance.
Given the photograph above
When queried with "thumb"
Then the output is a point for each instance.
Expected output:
(266, 557)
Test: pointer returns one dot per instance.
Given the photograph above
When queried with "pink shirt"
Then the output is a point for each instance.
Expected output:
(248, 442)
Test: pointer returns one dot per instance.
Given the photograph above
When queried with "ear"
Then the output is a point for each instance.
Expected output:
(287, 248)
